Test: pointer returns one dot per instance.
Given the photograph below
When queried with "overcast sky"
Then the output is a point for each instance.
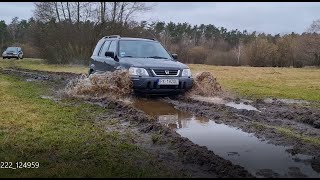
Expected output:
(268, 17)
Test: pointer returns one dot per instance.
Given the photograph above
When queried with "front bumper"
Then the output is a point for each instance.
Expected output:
(150, 85)
(9, 55)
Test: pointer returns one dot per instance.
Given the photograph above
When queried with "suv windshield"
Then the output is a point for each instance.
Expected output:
(12, 49)
(142, 49)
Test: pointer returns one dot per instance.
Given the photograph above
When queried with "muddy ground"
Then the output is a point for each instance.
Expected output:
(300, 119)
(189, 158)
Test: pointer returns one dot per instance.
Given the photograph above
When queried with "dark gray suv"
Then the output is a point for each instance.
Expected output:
(153, 70)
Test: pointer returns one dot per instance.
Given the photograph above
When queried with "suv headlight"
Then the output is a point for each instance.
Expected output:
(186, 73)
(138, 71)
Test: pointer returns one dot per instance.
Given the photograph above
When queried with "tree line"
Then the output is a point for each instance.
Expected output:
(67, 32)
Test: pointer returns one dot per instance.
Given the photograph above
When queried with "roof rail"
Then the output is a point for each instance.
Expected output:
(112, 36)
(151, 39)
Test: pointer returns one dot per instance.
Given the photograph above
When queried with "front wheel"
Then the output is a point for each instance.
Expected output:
(90, 72)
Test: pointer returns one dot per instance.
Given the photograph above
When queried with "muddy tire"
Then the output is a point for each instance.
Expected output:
(90, 72)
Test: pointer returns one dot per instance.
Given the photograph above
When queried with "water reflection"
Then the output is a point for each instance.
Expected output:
(258, 157)
(167, 114)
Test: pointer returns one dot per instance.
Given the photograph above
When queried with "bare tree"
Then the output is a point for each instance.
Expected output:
(103, 11)
(314, 27)
(45, 11)
(64, 14)
(69, 13)
(240, 46)
(57, 11)
(13, 28)
(114, 11)
(78, 12)
(134, 7)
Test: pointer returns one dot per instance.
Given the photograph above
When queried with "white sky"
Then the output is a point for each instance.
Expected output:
(268, 17)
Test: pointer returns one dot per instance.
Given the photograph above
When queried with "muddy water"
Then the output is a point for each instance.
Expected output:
(241, 106)
(218, 100)
(244, 149)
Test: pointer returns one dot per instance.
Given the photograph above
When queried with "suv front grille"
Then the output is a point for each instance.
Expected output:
(164, 72)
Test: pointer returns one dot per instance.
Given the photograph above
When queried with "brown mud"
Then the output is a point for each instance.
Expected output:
(265, 123)
(115, 84)
(197, 161)
(164, 144)
(205, 84)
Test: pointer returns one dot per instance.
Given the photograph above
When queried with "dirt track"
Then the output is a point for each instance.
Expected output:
(192, 159)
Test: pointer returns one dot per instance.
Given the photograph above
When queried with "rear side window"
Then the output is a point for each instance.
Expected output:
(104, 48)
(113, 46)
(97, 48)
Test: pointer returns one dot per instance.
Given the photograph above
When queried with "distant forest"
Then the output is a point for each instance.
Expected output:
(67, 32)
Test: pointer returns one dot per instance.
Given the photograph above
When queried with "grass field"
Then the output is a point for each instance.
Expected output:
(250, 82)
(62, 137)
(38, 64)
(262, 82)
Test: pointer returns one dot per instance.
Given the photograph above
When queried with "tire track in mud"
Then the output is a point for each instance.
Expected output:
(169, 147)
(249, 121)
(195, 159)
(264, 124)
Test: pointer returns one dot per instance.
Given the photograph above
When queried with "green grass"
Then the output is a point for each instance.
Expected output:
(290, 133)
(63, 138)
(250, 82)
(38, 64)
(263, 82)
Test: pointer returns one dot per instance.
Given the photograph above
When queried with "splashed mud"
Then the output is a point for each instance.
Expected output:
(205, 84)
(115, 84)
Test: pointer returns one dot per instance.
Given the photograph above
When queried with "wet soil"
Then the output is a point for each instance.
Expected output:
(229, 142)
(271, 117)
(199, 161)
(166, 145)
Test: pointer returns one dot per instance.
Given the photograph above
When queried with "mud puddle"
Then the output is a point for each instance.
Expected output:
(219, 100)
(257, 156)
(285, 101)
(242, 106)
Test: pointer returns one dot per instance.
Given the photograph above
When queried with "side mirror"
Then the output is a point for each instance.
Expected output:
(175, 56)
(110, 54)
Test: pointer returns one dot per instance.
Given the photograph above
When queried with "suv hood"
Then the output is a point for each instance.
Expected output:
(11, 51)
(152, 63)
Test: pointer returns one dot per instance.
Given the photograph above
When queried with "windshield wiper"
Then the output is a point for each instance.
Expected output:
(157, 57)
(126, 56)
